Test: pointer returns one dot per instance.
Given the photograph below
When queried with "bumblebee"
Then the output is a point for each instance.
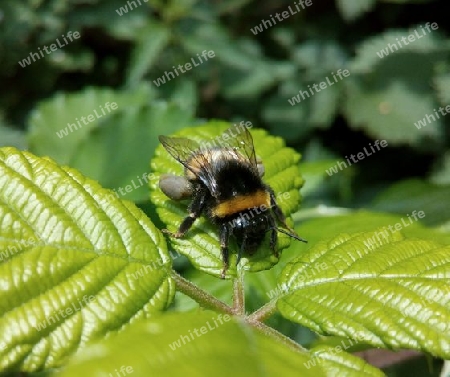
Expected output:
(225, 184)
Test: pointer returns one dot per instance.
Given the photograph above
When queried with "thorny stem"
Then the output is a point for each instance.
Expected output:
(200, 296)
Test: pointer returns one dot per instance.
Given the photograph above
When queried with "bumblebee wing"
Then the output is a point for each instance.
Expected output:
(190, 155)
(241, 140)
(180, 148)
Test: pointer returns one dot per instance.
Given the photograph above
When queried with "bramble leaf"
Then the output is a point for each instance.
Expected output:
(76, 262)
(386, 291)
(206, 344)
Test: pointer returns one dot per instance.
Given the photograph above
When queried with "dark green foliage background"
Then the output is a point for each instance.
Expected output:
(250, 78)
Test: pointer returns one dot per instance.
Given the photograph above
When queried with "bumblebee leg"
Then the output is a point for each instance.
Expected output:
(277, 210)
(281, 218)
(273, 238)
(184, 227)
(241, 249)
(195, 210)
(224, 236)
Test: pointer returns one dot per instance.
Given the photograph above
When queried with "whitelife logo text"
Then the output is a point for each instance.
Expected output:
(197, 333)
(33, 56)
(169, 75)
(405, 41)
(430, 118)
(85, 120)
(265, 24)
(371, 243)
(129, 6)
(316, 88)
(358, 157)
(64, 313)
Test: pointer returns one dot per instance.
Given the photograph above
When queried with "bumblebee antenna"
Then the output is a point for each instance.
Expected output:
(290, 234)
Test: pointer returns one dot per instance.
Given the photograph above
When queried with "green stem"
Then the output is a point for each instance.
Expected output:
(239, 293)
(264, 312)
(203, 298)
(269, 331)
(208, 301)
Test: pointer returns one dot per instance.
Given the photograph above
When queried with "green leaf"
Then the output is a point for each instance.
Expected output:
(106, 15)
(248, 83)
(353, 9)
(369, 52)
(380, 93)
(117, 155)
(201, 243)
(239, 64)
(336, 362)
(315, 174)
(413, 194)
(10, 137)
(185, 95)
(442, 83)
(101, 149)
(284, 119)
(365, 221)
(151, 41)
(373, 105)
(251, 80)
(176, 9)
(203, 36)
(76, 262)
(313, 61)
(384, 291)
(330, 226)
(317, 111)
(49, 133)
(441, 170)
(225, 345)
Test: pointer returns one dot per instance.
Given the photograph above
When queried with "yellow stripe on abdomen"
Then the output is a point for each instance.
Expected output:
(241, 203)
